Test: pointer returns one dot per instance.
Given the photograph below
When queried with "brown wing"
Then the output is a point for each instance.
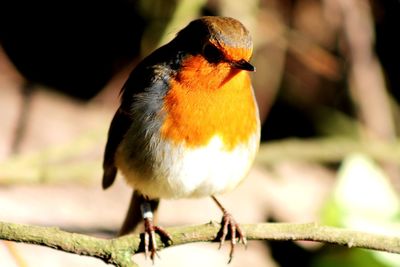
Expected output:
(148, 82)
(118, 128)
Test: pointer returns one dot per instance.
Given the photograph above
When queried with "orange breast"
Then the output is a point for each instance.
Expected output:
(205, 100)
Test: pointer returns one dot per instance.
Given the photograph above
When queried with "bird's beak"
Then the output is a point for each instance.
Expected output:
(242, 65)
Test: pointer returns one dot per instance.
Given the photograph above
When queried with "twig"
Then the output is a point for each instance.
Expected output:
(38, 168)
(23, 115)
(119, 251)
(16, 256)
(326, 150)
(366, 77)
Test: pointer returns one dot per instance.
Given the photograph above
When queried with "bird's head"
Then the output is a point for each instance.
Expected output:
(211, 93)
(220, 40)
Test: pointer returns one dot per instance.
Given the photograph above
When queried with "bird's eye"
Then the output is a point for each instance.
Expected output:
(212, 53)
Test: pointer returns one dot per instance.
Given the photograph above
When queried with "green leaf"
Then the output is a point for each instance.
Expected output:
(363, 199)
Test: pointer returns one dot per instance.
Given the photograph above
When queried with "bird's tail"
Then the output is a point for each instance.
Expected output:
(134, 215)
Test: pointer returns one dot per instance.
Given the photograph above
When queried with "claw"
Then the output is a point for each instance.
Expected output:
(150, 244)
(242, 237)
(165, 237)
(146, 244)
(229, 227)
(224, 232)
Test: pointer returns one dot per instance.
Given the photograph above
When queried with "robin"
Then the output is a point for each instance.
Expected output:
(187, 125)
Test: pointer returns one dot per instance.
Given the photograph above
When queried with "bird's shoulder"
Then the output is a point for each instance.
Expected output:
(141, 97)
(152, 75)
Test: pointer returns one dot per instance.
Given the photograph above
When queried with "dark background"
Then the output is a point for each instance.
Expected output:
(63, 63)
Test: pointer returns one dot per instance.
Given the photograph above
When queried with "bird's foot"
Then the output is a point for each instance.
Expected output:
(150, 244)
(230, 228)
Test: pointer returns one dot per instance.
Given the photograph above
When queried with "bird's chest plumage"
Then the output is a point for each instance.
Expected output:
(206, 142)
(199, 171)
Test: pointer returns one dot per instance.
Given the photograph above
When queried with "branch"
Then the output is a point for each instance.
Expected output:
(326, 150)
(118, 251)
(38, 168)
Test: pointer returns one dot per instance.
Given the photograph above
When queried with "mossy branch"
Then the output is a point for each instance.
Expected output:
(118, 251)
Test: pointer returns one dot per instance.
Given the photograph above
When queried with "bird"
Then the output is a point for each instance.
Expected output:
(187, 126)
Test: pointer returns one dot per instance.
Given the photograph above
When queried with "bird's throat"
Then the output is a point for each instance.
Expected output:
(207, 100)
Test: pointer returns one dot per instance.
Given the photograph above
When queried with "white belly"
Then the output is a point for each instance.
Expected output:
(196, 172)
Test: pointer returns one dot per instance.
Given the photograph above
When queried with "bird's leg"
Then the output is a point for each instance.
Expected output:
(150, 231)
(231, 227)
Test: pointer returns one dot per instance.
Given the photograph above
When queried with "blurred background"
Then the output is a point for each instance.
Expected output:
(327, 84)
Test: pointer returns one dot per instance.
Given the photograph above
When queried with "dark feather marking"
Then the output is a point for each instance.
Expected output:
(118, 128)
